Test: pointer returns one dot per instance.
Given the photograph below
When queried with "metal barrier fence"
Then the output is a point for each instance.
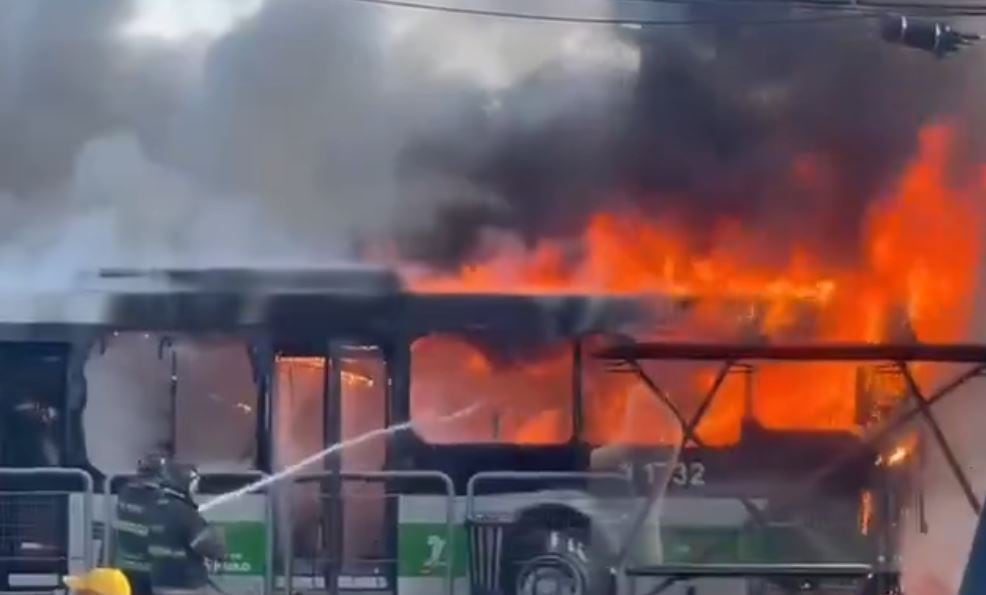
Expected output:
(538, 477)
(38, 516)
(37, 527)
(376, 503)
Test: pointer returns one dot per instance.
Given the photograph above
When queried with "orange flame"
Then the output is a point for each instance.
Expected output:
(916, 277)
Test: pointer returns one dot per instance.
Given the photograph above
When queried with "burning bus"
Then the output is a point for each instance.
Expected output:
(576, 457)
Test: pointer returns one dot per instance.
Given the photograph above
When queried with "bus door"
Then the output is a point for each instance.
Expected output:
(364, 542)
(339, 534)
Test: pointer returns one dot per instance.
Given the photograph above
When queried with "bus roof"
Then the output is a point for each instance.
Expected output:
(304, 304)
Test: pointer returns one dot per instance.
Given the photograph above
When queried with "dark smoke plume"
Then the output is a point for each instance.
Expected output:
(304, 126)
(790, 129)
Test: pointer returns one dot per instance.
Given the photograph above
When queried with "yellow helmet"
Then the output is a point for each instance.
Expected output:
(101, 581)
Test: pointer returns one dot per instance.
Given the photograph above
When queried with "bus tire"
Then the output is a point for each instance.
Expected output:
(558, 557)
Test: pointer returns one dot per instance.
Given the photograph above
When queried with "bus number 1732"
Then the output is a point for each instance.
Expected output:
(685, 474)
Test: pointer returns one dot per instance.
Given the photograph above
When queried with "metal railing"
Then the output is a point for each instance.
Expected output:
(82, 525)
(448, 489)
(31, 519)
(538, 477)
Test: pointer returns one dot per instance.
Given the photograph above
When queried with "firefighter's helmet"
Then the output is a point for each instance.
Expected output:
(182, 477)
(151, 464)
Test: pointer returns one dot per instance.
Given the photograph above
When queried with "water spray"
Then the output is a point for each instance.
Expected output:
(314, 458)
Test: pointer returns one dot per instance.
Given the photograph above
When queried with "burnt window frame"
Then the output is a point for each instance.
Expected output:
(259, 353)
(574, 361)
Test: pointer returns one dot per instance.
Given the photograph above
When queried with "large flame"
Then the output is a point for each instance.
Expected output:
(915, 277)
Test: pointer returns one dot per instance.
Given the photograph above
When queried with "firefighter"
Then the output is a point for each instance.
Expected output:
(181, 541)
(133, 507)
(99, 581)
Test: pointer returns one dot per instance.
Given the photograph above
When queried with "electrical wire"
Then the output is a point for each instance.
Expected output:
(848, 10)
(504, 14)
(958, 9)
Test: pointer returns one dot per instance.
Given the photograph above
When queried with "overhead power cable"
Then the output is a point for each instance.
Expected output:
(846, 10)
(958, 9)
(642, 22)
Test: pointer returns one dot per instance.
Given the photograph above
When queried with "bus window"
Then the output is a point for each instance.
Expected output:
(299, 431)
(215, 382)
(300, 418)
(128, 404)
(32, 404)
(363, 386)
(146, 392)
(527, 400)
(619, 408)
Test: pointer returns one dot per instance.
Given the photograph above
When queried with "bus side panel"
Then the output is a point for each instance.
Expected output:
(423, 549)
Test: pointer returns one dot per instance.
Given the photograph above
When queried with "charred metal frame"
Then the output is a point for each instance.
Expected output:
(689, 429)
(314, 313)
(899, 356)
(914, 391)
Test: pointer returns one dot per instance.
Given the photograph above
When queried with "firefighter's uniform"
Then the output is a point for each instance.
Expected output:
(180, 540)
(133, 511)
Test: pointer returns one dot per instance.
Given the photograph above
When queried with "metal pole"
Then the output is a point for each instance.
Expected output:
(950, 457)
(689, 430)
(332, 483)
(173, 393)
(87, 500)
(289, 546)
(658, 392)
(109, 519)
(450, 534)
(578, 421)
(271, 538)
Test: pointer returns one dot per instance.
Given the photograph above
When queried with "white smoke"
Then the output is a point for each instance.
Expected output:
(241, 131)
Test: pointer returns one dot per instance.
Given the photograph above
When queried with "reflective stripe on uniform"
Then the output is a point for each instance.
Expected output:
(131, 528)
(158, 551)
(133, 564)
(130, 507)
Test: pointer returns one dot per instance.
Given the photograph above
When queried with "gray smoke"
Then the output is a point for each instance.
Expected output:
(295, 129)
(279, 137)
(791, 130)
(304, 127)
(56, 86)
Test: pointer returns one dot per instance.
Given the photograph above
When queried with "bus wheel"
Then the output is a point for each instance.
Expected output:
(555, 562)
